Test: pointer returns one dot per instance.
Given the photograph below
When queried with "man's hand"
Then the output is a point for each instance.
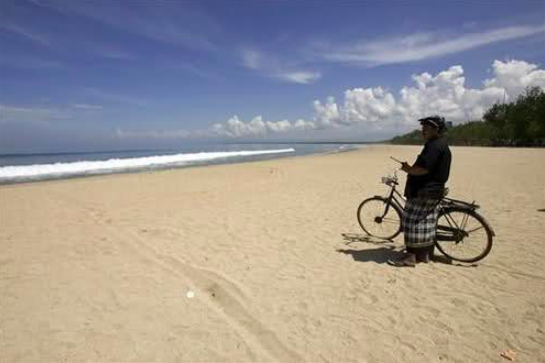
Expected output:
(405, 167)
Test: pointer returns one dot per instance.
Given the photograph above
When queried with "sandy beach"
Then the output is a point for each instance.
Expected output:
(264, 262)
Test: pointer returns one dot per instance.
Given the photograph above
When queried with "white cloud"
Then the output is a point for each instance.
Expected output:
(376, 109)
(326, 115)
(84, 106)
(187, 25)
(19, 114)
(444, 94)
(28, 62)
(57, 39)
(515, 76)
(114, 97)
(421, 46)
(300, 77)
(371, 105)
(251, 59)
(270, 66)
(27, 33)
(33, 114)
(173, 134)
(234, 127)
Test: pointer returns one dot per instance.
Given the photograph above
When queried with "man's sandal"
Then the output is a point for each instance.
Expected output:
(402, 263)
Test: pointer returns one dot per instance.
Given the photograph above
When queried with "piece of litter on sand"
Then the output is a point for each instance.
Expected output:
(508, 354)
(190, 294)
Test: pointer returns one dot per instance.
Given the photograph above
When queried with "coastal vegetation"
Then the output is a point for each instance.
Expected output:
(518, 123)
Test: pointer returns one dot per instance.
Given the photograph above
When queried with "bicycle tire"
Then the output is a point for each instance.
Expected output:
(370, 225)
(448, 236)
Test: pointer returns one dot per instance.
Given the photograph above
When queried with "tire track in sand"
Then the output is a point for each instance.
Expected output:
(216, 289)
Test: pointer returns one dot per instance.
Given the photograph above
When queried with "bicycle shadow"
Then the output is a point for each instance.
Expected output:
(378, 255)
(383, 254)
(350, 238)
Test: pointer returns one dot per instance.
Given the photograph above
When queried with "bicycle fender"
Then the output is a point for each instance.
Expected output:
(489, 226)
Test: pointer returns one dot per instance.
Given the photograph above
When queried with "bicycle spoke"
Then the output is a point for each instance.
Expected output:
(475, 229)
(377, 220)
(390, 220)
(465, 219)
(467, 237)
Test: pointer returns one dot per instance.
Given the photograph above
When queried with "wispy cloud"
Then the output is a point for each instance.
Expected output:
(419, 46)
(26, 33)
(179, 23)
(60, 41)
(270, 66)
(251, 59)
(114, 97)
(300, 77)
(85, 106)
(105, 50)
(33, 114)
(165, 134)
(27, 114)
(28, 62)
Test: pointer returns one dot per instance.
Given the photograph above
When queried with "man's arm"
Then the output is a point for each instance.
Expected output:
(413, 170)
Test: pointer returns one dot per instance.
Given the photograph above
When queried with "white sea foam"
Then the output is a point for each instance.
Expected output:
(63, 170)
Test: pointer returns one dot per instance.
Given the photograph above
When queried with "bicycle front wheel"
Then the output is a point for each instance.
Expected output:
(379, 219)
(463, 235)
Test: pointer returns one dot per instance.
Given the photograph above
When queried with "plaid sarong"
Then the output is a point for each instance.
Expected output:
(420, 222)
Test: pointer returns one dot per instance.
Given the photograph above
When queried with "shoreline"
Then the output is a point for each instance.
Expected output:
(166, 168)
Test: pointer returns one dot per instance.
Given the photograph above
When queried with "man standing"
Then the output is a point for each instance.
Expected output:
(425, 187)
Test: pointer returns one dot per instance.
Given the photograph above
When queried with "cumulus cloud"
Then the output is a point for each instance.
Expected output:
(444, 93)
(326, 115)
(379, 109)
(234, 127)
(515, 76)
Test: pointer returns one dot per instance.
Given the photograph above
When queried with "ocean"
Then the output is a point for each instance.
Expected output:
(22, 168)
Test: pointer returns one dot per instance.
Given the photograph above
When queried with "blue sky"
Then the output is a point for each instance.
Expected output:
(93, 74)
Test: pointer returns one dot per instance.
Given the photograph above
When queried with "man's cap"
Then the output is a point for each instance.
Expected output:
(436, 121)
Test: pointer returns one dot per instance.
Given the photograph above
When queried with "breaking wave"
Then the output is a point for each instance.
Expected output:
(15, 174)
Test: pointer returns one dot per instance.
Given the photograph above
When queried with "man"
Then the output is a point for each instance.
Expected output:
(424, 189)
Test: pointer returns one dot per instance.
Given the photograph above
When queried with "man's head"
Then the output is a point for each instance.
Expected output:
(432, 127)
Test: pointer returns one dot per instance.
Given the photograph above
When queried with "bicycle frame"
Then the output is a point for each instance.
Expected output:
(393, 200)
(458, 230)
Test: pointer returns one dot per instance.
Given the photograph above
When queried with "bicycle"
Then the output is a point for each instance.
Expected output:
(462, 234)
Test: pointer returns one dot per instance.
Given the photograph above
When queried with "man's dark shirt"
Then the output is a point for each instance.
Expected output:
(435, 158)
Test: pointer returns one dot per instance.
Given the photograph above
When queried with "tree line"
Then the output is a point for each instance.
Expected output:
(518, 123)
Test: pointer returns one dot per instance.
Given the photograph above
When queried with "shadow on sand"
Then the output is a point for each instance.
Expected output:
(377, 255)
(383, 254)
(350, 238)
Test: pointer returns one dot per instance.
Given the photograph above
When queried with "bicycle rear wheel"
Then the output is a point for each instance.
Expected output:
(376, 221)
(463, 235)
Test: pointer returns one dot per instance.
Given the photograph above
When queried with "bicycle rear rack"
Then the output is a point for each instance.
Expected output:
(460, 204)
